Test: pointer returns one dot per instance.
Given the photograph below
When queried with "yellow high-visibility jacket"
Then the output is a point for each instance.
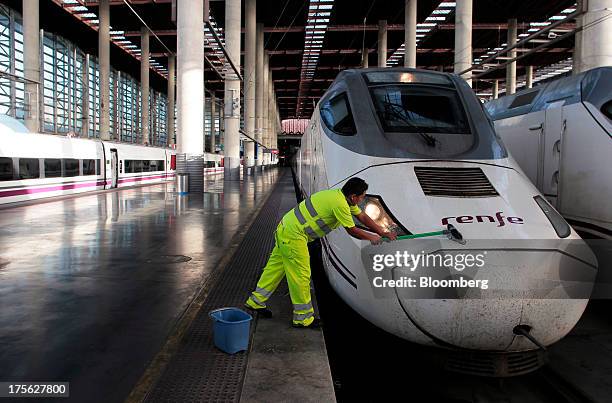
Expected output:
(318, 215)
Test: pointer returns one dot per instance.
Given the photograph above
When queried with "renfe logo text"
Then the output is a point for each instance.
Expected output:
(499, 218)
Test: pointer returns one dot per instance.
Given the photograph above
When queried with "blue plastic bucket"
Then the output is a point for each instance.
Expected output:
(231, 329)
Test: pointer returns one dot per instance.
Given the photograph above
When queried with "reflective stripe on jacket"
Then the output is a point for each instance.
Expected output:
(320, 214)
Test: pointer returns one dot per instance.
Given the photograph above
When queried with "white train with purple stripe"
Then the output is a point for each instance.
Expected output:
(36, 166)
(431, 157)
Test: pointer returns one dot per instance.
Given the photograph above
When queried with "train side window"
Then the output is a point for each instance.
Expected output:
(146, 166)
(29, 168)
(53, 168)
(336, 113)
(137, 164)
(98, 167)
(89, 167)
(157, 165)
(71, 167)
(129, 167)
(6, 169)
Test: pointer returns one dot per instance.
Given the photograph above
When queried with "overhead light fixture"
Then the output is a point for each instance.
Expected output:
(77, 8)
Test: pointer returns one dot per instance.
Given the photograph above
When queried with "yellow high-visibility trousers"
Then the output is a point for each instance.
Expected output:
(289, 258)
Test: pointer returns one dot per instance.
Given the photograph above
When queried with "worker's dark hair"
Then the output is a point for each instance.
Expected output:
(354, 186)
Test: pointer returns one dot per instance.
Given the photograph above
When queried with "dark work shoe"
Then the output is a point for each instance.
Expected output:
(261, 312)
(316, 324)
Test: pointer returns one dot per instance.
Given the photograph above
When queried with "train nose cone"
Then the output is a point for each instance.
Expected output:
(543, 286)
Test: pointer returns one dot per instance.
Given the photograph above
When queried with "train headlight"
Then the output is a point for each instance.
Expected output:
(376, 209)
(373, 210)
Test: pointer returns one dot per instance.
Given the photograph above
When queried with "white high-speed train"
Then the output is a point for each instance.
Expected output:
(36, 166)
(424, 144)
(560, 133)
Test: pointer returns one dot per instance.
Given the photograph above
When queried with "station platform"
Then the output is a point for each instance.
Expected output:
(111, 292)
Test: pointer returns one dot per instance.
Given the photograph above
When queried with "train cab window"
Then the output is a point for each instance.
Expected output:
(523, 99)
(29, 168)
(419, 109)
(6, 169)
(89, 167)
(606, 109)
(53, 168)
(337, 116)
(71, 167)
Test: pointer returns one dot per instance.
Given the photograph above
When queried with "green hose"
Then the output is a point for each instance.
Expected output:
(421, 235)
(452, 232)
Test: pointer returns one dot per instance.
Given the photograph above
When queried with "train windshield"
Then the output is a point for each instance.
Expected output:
(415, 108)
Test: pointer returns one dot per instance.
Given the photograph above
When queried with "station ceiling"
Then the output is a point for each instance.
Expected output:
(351, 25)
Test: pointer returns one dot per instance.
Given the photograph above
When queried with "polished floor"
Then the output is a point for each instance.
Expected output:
(91, 286)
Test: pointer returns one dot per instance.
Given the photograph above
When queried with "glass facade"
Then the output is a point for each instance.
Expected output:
(70, 89)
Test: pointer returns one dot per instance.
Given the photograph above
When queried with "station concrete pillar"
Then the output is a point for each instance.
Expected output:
(104, 66)
(259, 63)
(528, 76)
(271, 118)
(277, 127)
(231, 135)
(190, 91)
(171, 96)
(463, 39)
(266, 99)
(365, 56)
(511, 67)
(213, 119)
(495, 89)
(593, 44)
(31, 65)
(410, 24)
(250, 49)
(144, 84)
(221, 121)
(576, 52)
(382, 43)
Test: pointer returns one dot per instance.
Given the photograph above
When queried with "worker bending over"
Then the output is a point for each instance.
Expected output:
(313, 218)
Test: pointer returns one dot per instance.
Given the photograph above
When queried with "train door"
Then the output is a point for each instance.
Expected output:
(523, 136)
(554, 127)
(114, 168)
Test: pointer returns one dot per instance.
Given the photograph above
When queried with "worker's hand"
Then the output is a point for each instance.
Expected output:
(390, 234)
(375, 239)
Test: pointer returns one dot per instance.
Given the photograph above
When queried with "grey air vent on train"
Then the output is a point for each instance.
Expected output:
(454, 182)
